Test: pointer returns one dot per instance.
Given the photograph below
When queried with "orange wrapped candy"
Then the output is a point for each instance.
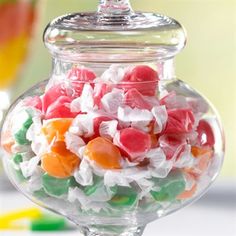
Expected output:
(104, 153)
(60, 162)
(56, 129)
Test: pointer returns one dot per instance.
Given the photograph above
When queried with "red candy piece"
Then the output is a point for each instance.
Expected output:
(134, 142)
(135, 99)
(172, 145)
(205, 134)
(79, 76)
(35, 102)
(52, 94)
(147, 77)
(60, 109)
(179, 121)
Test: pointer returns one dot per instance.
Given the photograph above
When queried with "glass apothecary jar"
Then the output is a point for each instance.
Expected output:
(113, 140)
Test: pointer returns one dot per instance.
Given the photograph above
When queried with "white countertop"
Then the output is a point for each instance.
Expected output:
(214, 214)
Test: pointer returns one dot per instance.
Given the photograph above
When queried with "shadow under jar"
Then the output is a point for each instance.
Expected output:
(113, 140)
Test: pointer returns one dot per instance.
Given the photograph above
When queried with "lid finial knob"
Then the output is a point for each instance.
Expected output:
(114, 7)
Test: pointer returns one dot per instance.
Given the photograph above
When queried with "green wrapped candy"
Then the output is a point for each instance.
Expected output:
(20, 135)
(124, 197)
(91, 189)
(17, 158)
(74, 183)
(171, 186)
(54, 186)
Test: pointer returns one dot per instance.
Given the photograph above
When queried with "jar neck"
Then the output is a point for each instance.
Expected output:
(166, 69)
(61, 68)
(114, 7)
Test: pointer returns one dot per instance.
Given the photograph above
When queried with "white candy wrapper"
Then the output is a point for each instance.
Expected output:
(125, 177)
(198, 105)
(26, 156)
(127, 164)
(96, 169)
(74, 143)
(159, 166)
(189, 181)
(108, 129)
(84, 175)
(29, 167)
(146, 186)
(21, 116)
(39, 143)
(112, 178)
(85, 203)
(127, 114)
(141, 125)
(113, 75)
(161, 116)
(185, 160)
(34, 129)
(82, 125)
(111, 101)
(174, 101)
(20, 148)
(96, 201)
(35, 182)
(85, 102)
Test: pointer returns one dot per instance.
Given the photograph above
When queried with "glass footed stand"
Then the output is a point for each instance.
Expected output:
(113, 140)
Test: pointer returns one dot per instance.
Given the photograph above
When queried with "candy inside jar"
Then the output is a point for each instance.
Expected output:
(112, 140)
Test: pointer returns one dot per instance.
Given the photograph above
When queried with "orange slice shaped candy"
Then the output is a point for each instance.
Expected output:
(104, 153)
(60, 162)
(7, 141)
(56, 129)
(188, 193)
(198, 152)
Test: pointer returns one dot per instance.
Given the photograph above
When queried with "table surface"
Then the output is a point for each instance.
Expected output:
(214, 214)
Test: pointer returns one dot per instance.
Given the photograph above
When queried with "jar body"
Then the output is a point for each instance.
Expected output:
(103, 144)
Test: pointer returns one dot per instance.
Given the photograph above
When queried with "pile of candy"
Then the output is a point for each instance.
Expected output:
(115, 142)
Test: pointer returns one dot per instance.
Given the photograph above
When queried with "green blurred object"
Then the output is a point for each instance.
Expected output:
(48, 223)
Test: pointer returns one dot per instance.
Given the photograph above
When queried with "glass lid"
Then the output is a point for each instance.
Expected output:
(114, 33)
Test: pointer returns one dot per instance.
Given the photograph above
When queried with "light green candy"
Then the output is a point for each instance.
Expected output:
(124, 197)
(17, 158)
(20, 135)
(54, 186)
(91, 189)
(171, 186)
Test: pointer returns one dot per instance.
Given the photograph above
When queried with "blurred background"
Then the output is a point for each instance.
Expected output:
(208, 64)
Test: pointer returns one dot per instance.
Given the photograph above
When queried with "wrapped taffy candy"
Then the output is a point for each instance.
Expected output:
(103, 142)
(109, 145)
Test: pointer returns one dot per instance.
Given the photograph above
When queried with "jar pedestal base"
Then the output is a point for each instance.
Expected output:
(108, 230)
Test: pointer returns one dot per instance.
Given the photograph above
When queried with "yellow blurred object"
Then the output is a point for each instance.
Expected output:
(7, 220)
(12, 54)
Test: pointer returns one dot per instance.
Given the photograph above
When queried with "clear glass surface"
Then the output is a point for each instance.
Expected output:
(113, 140)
